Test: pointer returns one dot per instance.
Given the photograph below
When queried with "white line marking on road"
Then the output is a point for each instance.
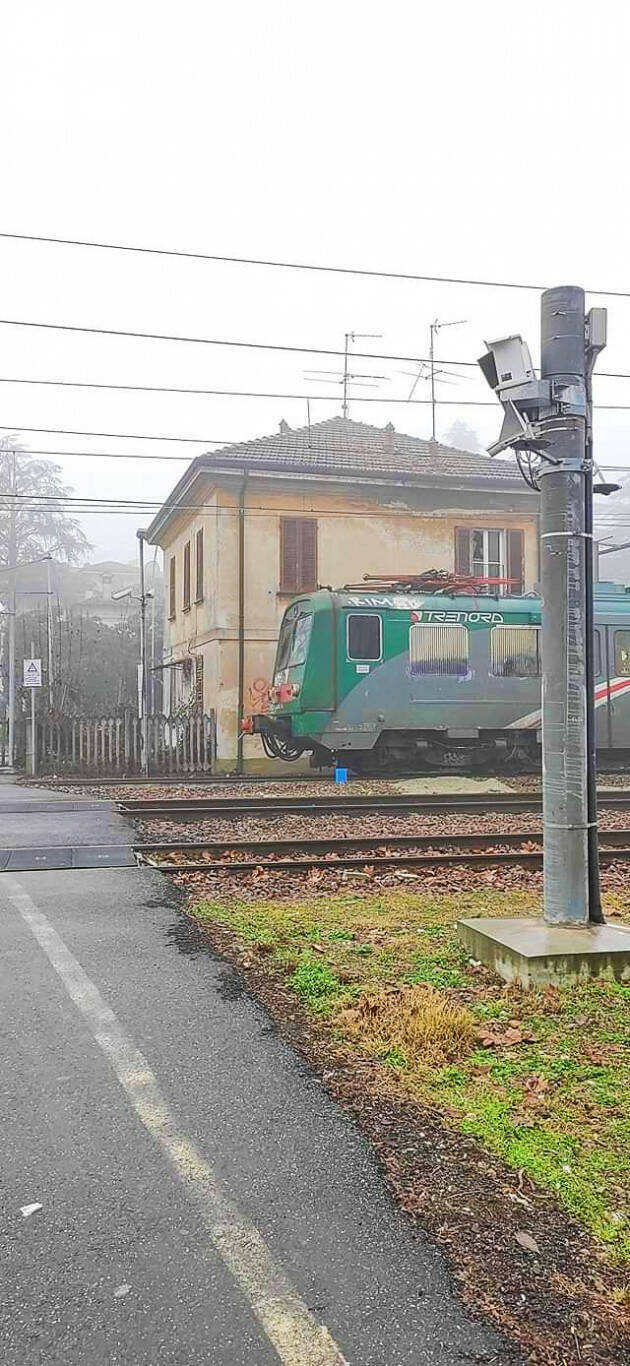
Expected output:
(296, 1336)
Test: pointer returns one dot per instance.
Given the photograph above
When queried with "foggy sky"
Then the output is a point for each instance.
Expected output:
(451, 141)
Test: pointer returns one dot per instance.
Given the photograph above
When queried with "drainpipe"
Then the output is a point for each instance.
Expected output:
(241, 625)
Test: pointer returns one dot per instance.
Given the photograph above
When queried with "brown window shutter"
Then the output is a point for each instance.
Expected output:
(298, 554)
(309, 555)
(462, 550)
(199, 566)
(288, 555)
(172, 598)
(515, 561)
(187, 575)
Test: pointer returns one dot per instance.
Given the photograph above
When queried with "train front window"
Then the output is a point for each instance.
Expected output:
(295, 634)
(364, 636)
(438, 650)
(515, 651)
(622, 654)
(301, 636)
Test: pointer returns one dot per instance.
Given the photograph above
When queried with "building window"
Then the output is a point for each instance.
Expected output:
(298, 554)
(172, 584)
(491, 553)
(199, 682)
(199, 566)
(438, 650)
(187, 576)
(622, 654)
(515, 651)
(364, 636)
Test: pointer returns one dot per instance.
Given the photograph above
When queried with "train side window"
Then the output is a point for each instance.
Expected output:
(364, 636)
(622, 654)
(437, 649)
(515, 651)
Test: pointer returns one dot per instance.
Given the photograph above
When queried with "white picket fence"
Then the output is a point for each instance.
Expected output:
(111, 745)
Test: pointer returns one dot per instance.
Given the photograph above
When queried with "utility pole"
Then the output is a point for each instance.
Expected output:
(33, 731)
(49, 633)
(143, 690)
(564, 617)
(548, 424)
(12, 551)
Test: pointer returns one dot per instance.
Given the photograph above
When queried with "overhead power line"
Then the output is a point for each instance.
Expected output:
(293, 265)
(265, 393)
(118, 436)
(248, 345)
(214, 341)
(248, 393)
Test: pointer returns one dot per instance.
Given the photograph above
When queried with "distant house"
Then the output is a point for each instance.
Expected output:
(88, 588)
(251, 525)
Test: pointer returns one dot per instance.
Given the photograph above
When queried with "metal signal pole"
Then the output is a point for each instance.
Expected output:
(12, 549)
(564, 619)
(143, 661)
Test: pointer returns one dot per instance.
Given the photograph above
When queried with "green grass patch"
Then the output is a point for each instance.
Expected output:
(388, 977)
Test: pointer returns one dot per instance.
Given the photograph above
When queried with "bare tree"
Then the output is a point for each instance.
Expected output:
(30, 527)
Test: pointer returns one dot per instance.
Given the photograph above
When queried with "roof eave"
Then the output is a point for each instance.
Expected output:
(343, 475)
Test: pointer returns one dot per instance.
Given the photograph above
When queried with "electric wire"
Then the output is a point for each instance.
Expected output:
(293, 265)
(215, 341)
(250, 345)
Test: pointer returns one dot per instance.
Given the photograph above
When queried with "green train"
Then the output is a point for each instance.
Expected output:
(383, 680)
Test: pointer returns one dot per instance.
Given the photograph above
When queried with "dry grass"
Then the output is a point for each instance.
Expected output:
(412, 1024)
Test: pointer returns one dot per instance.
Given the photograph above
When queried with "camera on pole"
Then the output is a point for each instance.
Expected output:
(547, 424)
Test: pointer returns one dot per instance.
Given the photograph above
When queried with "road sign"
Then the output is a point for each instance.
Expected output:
(32, 673)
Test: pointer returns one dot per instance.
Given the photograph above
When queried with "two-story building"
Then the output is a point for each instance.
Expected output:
(251, 525)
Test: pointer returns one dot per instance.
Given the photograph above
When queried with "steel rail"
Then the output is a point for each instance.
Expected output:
(486, 802)
(377, 852)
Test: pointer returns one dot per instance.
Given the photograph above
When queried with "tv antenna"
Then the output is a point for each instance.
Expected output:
(430, 372)
(360, 379)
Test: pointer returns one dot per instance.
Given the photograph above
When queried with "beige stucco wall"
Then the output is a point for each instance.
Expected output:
(380, 534)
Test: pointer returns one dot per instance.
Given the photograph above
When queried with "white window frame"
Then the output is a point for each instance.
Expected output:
(353, 659)
(485, 532)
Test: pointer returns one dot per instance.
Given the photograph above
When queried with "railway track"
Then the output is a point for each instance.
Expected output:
(183, 808)
(400, 851)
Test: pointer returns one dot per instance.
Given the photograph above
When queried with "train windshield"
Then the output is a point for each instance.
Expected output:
(295, 634)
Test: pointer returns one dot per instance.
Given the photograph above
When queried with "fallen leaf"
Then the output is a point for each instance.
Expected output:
(526, 1241)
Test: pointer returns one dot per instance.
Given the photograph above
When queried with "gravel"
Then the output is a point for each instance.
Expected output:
(336, 826)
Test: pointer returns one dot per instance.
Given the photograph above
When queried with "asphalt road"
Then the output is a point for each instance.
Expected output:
(203, 1200)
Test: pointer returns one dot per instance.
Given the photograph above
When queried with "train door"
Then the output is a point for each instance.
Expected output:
(602, 670)
(618, 691)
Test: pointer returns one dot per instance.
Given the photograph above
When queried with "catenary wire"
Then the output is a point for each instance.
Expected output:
(264, 393)
(293, 265)
(219, 341)
(248, 345)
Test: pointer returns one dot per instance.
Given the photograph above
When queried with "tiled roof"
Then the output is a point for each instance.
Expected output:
(340, 445)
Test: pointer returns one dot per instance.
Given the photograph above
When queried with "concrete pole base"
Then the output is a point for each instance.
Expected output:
(531, 951)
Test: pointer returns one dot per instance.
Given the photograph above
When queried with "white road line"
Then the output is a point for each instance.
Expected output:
(296, 1336)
